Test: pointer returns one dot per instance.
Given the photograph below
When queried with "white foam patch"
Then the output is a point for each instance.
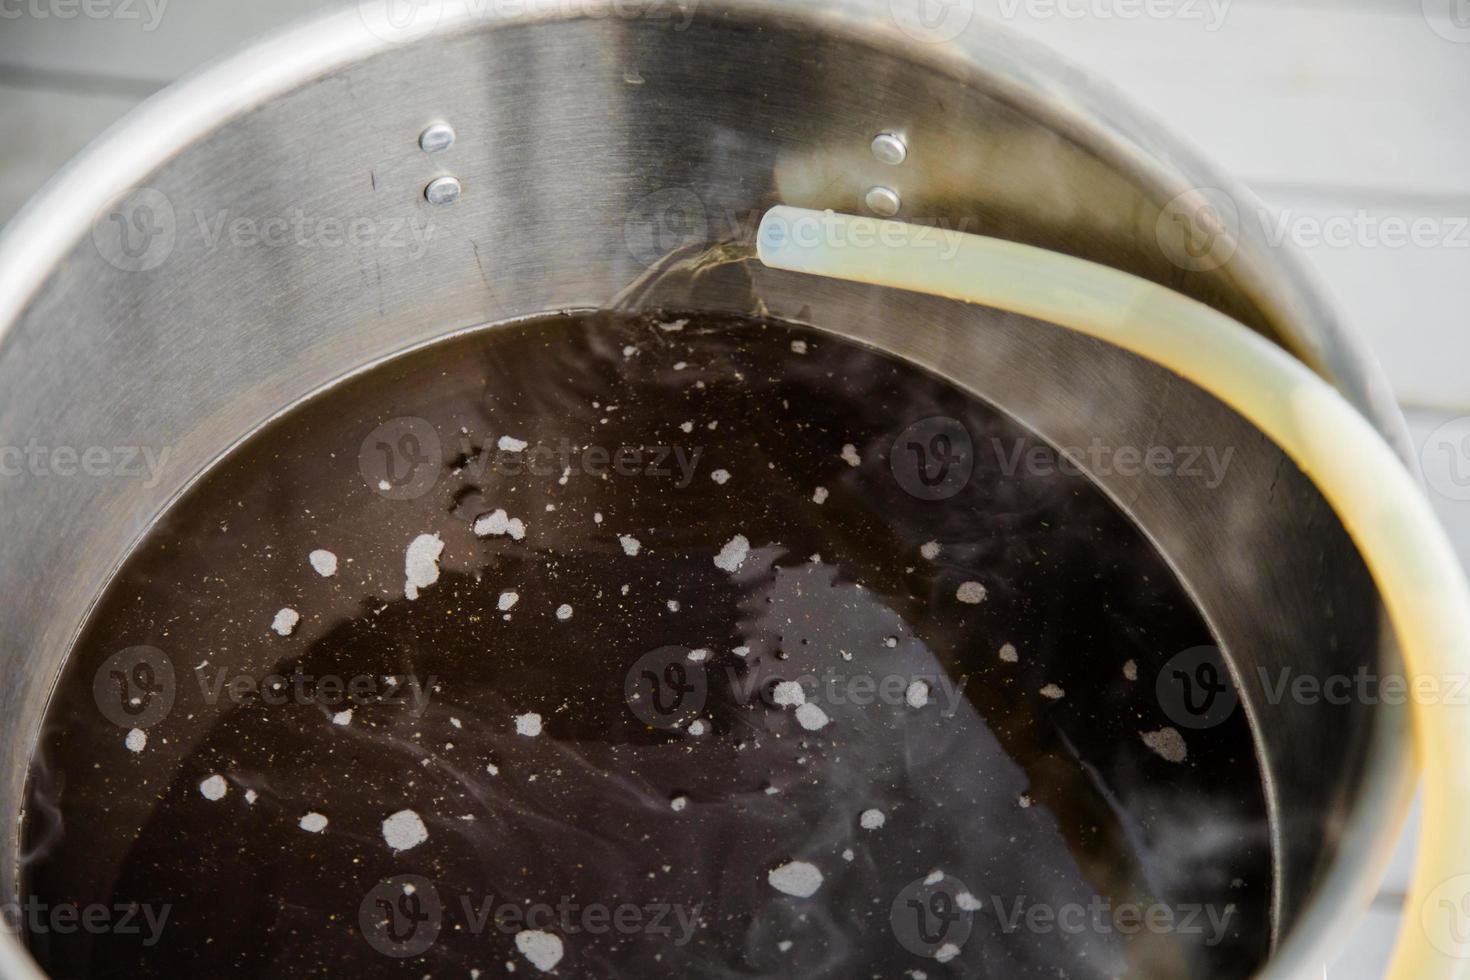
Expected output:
(511, 444)
(720, 476)
(972, 593)
(543, 949)
(136, 740)
(871, 819)
(563, 612)
(1008, 653)
(917, 694)
(324, 562)
(930, 550)
(342, 717)
(404, 830)
(313, 823)
(507, 601)
(498, 523)
(631, 545)
(214, 787)
(421, 564)
(1167, 743)
(285, 621)
(788, 694)
(819, 495)
(528, 724)
(811, 717)
(850, 455)
(733, 554)
(1053, 693)
(798, 878)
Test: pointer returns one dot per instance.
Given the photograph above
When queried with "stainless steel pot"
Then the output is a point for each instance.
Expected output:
(264, 228)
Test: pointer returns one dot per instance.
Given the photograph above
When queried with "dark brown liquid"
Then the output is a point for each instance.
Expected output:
(1028, 802)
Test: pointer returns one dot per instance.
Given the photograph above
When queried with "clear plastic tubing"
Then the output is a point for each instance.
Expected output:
(1377, 498)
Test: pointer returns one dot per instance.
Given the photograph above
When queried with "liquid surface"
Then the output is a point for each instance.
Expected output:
(577, 749)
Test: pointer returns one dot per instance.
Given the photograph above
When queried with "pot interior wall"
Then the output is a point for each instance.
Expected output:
(586, 150)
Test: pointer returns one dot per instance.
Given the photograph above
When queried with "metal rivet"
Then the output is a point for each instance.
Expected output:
(442, 190)
(883, 201)
(890, 148)
(437, 138)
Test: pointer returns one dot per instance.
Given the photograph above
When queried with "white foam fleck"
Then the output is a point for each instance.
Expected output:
(930, 550)
(970, 592)
(404, 830)
(506, 601)
(967, 902)
(313, 823)
(498, 523)
(700, 655)
(136, 740)
(214, 787)
(1008, 653)
(917, 694)
(564, 612)
(1167, 743)
(720, 476)
(819, 495)
(850, 455)
(788, 694)
(542, 949)
(511, 444)
(811, 717)
(847, 855)
(698, 727)
(798, 878)
(1024, 801)
(421, 564)
(324, 562)
(342, 717)
(251, 796)
(1130, 670)
(1053, 692)
(784, 945)
(733, 554)
(673, 326)
(528, 724)
(871, 819)
(678, 803)
(741, 651)
(631, 545)
(687, 426)
(798, 347)
(285, 621)
(946, 953)
(934, 877)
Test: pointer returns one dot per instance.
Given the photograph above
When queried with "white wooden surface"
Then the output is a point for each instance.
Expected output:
(1352, 111)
